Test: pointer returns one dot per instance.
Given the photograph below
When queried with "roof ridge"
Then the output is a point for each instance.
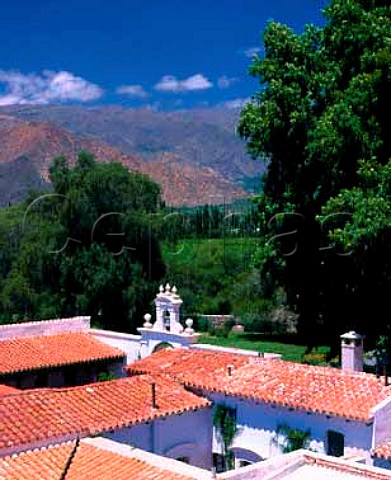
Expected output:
(48, 334)
(39, 322)
(101, 385)
(39, 449)
(318, 368)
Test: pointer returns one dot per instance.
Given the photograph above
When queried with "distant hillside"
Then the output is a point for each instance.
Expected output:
(28, 148)
(199, 137)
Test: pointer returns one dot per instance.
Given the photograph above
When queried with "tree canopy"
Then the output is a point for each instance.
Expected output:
(85, 248)
(320, 122)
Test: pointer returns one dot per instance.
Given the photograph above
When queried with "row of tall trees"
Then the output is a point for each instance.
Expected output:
(320, 121)
(209, 221)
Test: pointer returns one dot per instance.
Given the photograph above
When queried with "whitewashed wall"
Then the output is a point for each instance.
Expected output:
(257, 424)
(140, 346)
(382, 423)
(186, 435)
(130, 344)
(46, 327)
(151, 338)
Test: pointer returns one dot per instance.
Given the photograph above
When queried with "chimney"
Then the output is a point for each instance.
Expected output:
(153, 388)
(385, 375)
(352, 351)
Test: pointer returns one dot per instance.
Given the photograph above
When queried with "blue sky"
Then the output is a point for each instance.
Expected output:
(159, 53)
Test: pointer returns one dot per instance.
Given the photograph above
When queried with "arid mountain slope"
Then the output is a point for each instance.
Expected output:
(198, 137)
(28, 148)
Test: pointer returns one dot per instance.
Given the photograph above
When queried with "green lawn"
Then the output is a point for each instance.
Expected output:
(253, 341)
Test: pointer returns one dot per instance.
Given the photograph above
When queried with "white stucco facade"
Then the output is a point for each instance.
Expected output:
(130, 344)
(382, 423)
(257, 424)
(187, 436)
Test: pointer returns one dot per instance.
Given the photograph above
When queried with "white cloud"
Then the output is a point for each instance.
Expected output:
(252, 51)
(226, 82)
(46, 88)
(133, 91)
(236, 102)
(169, 83)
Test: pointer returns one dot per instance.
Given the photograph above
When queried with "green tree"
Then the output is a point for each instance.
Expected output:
(113, 261)
(224, 421)
(289, 439)
(86, 248)
(365, 239)
(320, 112)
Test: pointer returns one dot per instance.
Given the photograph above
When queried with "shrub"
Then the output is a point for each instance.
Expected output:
(315, 358)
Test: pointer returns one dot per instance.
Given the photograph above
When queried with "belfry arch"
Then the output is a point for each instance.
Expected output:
(167, 328)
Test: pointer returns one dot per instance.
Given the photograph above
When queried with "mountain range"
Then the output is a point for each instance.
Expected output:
(195, 155)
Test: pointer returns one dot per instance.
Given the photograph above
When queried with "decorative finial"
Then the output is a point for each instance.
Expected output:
(147, 318)
(189, 326)
(161, 289)
(168, 287)
(174, 290)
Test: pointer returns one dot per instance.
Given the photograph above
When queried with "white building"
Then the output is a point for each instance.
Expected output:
(346, 413)
(102, 459)
(155, 414)
(55, 353)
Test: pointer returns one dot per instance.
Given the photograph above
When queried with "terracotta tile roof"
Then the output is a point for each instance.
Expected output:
(47, 415)
(383, 451)
(45, 351)
(5, 390)
(324, 390)
(88, 463)
(192, 367)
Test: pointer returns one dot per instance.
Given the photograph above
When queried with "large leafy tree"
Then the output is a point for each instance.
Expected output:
(88, 247)
(319, 118)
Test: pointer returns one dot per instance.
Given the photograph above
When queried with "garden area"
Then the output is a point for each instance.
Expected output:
(263, 343)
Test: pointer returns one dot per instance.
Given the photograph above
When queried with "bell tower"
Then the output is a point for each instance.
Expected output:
(167, 329)
(168, 304)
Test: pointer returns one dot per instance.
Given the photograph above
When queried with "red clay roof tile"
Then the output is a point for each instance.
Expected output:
(50, 415)
(318, 389)
(88, 463)
(5, 390)
(46, 351)
(383, 451)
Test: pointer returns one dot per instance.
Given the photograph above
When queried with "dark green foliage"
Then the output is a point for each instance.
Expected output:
(223, 329)
(224, 420)
(85, 248)
(320, 119)
(290, 439)
(215, 276)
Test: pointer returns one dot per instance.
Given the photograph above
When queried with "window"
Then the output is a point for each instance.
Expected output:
(244, 463)
(218, 462)
(167, 320)
(335, 443)
(184, 459)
